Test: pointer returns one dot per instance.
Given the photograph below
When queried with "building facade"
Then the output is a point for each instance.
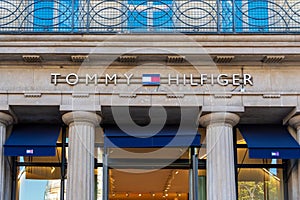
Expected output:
(161, 99)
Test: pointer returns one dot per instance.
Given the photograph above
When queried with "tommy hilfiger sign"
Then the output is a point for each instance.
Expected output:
(73, 79)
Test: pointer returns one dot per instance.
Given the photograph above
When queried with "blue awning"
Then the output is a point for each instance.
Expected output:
(166, 137)
(32, 140)
(270, 141)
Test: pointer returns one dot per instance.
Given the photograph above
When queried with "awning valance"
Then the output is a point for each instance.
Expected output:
(32, 140)
(270, 141)
(168, 136)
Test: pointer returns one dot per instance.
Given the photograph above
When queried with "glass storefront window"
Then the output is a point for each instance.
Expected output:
(36, 183)
(158, 184)
(260, 184)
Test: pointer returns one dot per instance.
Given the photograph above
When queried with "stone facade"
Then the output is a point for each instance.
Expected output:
(272, 98)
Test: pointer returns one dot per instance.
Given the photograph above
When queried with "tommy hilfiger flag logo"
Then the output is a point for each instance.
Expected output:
(276, 153)
(151, 79)
(29, 151)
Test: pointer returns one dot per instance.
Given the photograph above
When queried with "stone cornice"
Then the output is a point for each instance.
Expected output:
(120, 44)
(150, 37)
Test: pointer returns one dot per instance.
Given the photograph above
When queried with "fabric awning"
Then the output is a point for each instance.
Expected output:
(166, 137)
(270, 141)
(32, 140)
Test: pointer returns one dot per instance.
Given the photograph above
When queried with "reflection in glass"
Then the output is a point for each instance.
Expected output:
(260, 184)
(36, 183)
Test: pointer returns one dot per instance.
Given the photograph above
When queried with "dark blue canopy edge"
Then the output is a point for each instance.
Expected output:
(270, 141)
(32, 140)
(169, 136)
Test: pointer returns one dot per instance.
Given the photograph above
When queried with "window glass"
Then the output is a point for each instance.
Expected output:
(202, 184)
(36, 183)
(260, 184)
(158, 184)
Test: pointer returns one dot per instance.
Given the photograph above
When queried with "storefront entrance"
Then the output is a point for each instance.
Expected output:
(149, 177)
(164, 183)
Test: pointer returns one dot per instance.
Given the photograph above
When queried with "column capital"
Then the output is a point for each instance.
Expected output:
(81, 116)
(5, 119)
(219, 118)
(295, 122)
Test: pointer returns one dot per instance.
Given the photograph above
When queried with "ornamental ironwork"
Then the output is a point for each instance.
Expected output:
(154, 16)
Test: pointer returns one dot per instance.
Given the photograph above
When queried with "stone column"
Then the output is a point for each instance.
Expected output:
(80, 171)
(220, 155)
(5, 120)
(294, 182)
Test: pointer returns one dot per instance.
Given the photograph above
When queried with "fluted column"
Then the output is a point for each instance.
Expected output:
(295, 175)
(5, 120)
(80, 176)
(220, 155)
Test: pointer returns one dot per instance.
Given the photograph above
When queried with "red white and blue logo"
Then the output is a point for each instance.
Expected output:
(151, 79)
(29, 151)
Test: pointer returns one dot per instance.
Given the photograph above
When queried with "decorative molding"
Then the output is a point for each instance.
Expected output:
(79, 58)
(32, 58)
(32, 95)
(175, 96)
(127, 95)
(273, 59)
(271, 96)
(175, 59)
(222, 96)
(223, 59)
(127, 59)
(80, 95)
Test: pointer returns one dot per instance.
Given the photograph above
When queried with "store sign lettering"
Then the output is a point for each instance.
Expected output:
(73, 79)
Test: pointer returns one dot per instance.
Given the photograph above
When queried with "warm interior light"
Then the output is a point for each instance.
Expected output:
(140, 195)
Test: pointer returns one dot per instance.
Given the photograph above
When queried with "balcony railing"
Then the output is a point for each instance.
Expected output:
(150, 16)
